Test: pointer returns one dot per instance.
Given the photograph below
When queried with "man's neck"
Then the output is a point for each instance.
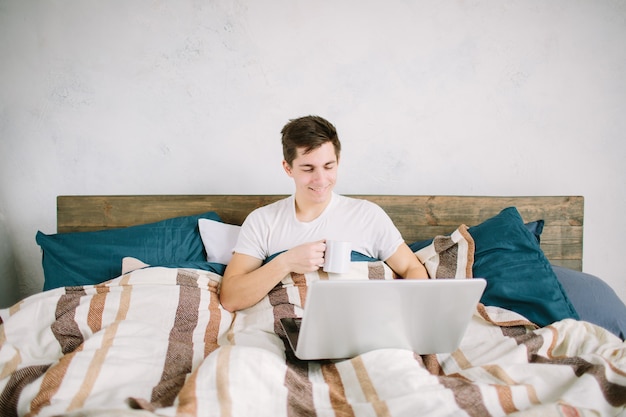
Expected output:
(307, 212)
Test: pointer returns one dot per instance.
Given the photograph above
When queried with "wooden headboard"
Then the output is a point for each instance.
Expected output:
(417, 217)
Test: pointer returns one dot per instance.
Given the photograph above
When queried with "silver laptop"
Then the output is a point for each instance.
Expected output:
(343, 319)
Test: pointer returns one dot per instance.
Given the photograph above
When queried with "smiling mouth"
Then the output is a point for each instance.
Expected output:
(318, 190)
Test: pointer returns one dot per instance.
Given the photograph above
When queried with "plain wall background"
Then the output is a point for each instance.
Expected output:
(429, 97)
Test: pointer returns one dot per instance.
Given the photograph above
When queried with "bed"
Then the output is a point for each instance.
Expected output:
(129, 322)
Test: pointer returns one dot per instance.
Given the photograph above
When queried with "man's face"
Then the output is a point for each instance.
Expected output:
(314, 173)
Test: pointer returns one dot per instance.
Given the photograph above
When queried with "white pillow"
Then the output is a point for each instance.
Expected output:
(219, 240)
(130, 264)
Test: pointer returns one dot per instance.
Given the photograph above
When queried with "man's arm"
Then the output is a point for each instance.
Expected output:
(405, 263)
(246, 280)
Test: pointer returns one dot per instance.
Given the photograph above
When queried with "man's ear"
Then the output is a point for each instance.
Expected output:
(287, 167)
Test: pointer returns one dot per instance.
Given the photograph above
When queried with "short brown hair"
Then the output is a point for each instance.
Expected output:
(308, 132)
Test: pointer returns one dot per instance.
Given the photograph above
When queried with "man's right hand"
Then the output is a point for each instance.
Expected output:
(246, 280)
(308, 257)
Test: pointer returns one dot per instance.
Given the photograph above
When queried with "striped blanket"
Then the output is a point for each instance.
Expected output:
(156, 342)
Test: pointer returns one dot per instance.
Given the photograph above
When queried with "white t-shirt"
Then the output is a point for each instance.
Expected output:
(274, 228)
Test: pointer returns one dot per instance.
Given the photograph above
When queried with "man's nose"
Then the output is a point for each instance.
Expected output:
(318, 175)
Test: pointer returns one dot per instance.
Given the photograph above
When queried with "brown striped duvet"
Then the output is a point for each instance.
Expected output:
(156, 342)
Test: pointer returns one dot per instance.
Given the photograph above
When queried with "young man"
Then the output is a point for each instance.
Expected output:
(297, 227)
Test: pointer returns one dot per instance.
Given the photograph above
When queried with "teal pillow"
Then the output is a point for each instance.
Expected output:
(536, 228)
(215, 267)
(85, 258)
(519, 276)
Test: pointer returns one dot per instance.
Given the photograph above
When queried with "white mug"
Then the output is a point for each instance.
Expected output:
(337, 256)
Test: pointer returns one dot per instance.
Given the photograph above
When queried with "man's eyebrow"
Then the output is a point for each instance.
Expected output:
(312, 165)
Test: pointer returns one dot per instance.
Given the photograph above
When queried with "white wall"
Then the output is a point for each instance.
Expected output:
(430, 97)
(8, 289)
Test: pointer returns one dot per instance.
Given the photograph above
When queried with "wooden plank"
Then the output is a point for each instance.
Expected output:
(85, 213)
(417, 217)
(576, 265)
